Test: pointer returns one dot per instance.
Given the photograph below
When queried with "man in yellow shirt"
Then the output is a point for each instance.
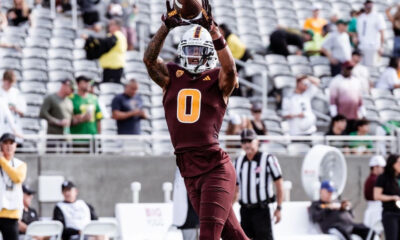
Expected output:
(113, 61)
(12, 174)
(315, 23)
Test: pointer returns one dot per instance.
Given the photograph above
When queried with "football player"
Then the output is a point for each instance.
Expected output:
(196, 94)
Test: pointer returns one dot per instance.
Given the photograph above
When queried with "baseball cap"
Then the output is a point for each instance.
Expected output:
(342, 21)
(248, 134)
(348, 64)
(328, 186)
(27, 190)
(67, 185)
(377, 160)
(7, 136)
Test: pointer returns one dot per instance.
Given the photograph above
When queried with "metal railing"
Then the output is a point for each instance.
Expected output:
(160, 144)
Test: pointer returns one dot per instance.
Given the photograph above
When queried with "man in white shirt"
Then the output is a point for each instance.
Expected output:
(389, 79)
(337, 47)
(370, 31)
(13, 98)
(346, 96)
(361, 73)
(297, 107)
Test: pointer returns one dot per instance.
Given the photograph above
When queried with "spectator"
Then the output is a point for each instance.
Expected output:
(57, 109)
(313, 47)
(29, 214)
(338, 126)
(237, 47)
(337, 47)
(280, 39)
(14, 100)
(370, 31)
(352, 27)
(361, 146)
(13, 173)
(297, 107)
(315, 23)
(389, 79)
(254, 199)
(90, 14)
(86, 109)
(387, 191)
(346, 97)
(336, 218)
(113, 61)
(257, 123)
(127, 109)
(130, 19)
(361, 72)
(73, 213)
(395, 20)
(19, 13)
(373, 213)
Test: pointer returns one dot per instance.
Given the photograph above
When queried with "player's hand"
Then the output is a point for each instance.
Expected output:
(277, 216)
(172, 19)
(206, 20)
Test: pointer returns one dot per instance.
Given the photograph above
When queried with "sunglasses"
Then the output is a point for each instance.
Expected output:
(245, 141)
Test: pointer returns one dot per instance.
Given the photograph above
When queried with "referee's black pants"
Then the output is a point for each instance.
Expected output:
(256, 223)
(9, 228)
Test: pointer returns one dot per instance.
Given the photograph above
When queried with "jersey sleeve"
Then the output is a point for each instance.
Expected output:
(274, 167)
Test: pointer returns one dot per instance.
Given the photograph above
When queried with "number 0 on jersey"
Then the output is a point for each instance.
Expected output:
(189, 103)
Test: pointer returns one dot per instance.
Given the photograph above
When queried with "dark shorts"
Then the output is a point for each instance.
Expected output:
(211, 195)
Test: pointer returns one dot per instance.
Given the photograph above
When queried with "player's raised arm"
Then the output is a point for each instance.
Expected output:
(155, 65)
(228, 74)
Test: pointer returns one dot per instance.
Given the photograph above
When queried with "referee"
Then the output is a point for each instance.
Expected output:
(255, 173)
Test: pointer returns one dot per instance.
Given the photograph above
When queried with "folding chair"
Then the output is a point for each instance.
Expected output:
(109, 229)
(43, 229)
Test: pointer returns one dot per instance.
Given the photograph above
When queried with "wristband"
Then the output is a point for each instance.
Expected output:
(279, 207)
(219, 43)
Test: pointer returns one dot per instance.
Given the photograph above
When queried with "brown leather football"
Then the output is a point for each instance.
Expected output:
(188, 9)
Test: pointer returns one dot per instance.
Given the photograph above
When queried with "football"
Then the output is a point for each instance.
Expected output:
(188, 9)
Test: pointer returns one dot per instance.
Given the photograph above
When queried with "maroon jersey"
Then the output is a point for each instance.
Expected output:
(194, 110)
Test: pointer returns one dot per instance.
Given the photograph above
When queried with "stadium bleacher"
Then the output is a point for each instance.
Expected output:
(52, 50)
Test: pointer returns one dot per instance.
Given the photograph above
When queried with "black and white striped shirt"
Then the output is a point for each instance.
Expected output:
(255, 177)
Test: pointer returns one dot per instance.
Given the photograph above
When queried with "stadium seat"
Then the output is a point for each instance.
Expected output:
(44, 229)
(59, 53)
(99, 228)
(111, 88)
